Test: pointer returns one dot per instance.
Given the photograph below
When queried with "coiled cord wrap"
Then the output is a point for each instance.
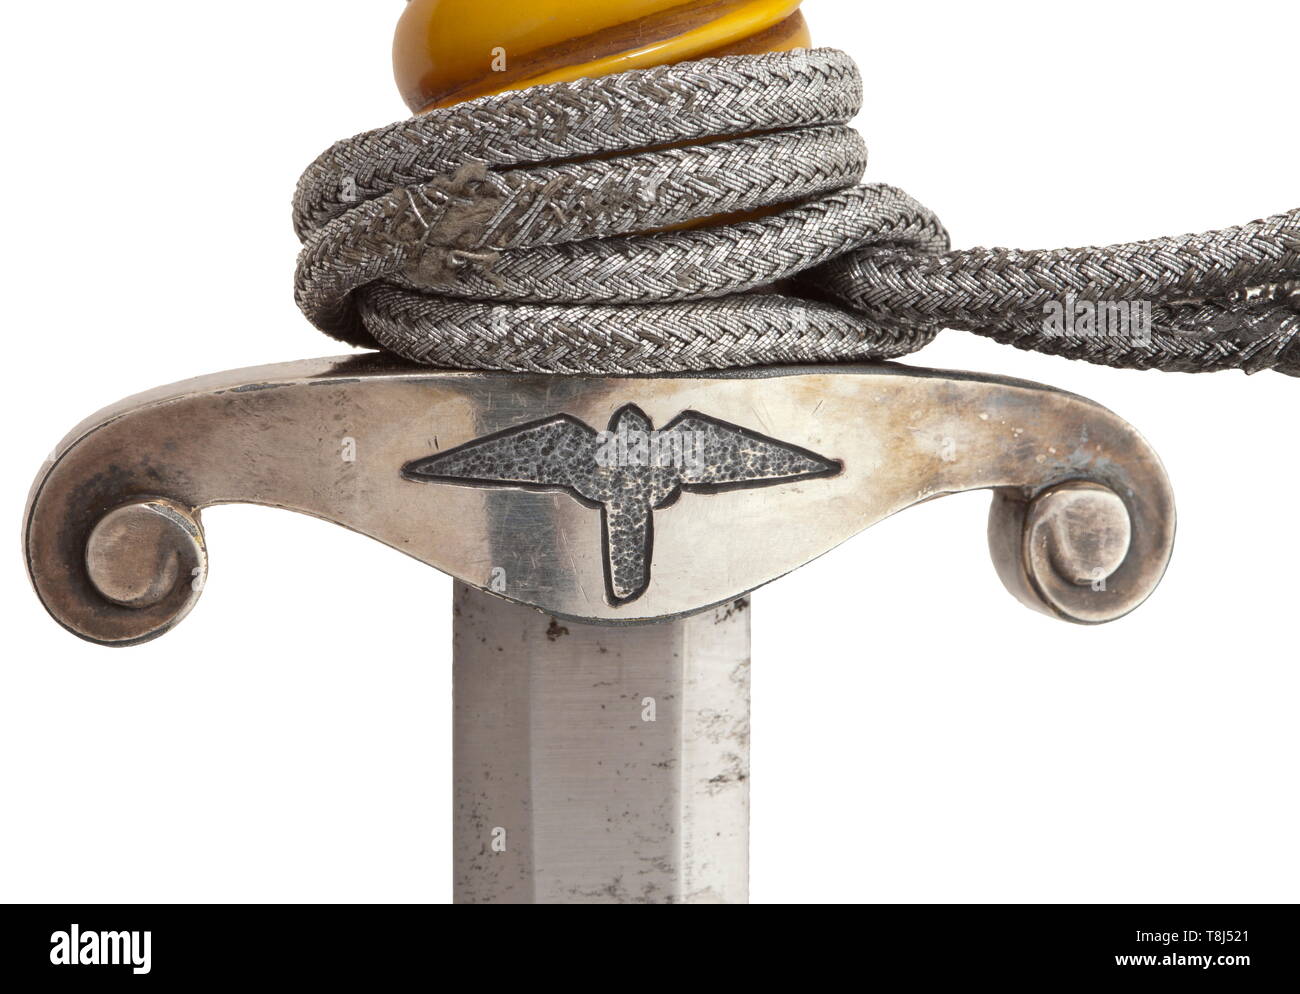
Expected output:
(708, 215)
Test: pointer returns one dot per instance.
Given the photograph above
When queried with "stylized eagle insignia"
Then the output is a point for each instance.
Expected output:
(628, 472)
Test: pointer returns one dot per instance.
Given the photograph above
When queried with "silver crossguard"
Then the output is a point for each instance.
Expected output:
(602, 752)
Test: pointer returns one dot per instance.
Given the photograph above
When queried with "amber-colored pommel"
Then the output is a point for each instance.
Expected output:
(447, 51)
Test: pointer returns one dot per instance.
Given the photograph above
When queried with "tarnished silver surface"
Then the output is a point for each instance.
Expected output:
(598, 765)
(799, 460)
(1052, 550)
(141, 554)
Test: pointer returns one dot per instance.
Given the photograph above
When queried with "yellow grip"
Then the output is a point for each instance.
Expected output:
(447, 51)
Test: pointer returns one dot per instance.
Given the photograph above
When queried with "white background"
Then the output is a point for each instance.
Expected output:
(918, 735)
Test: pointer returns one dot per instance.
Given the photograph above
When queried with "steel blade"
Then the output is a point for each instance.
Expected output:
(600, 764)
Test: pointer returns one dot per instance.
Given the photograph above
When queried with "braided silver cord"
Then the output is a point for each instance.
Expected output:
(525, 231)
(1198, 322)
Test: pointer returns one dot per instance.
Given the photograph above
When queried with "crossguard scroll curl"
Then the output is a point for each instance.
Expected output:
(560, 493)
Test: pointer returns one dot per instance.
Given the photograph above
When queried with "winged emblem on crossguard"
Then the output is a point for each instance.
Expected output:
(627, 472)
